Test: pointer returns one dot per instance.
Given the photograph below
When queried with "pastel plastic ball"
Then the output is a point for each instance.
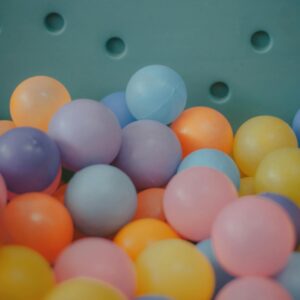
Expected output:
(222, 277)
(193, 199)
(99, 259)
(259, 136)
(247, 186)
(24, 274)
(296, 125)
(279, 172)
(253, 288)
(40, 222)
(290, 207)
(150, 204)
(86, 133)
(84, 289)
(29, 160)
(253, 236)
(35, 101)
(137, 235)
(203, 127)
(176, 269)
(101, 200)
(150, 153)
(116, 102)
(290, 276)
(214, 159)
(156, 93)
(6, 126)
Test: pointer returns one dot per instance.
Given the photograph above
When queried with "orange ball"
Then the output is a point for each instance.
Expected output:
(203, 127)
(59, 194)
(35, 101)
(6, 126)
(39, 221)
(137, 235)
(150, 204)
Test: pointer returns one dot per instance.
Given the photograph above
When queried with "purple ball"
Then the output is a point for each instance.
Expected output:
(29, 160)
(87, 133)
(150, 153)
(290, 207)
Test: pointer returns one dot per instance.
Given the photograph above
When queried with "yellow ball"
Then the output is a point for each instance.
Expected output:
(84, 289)
(176, 269)
(279, 172)
(35, 101)
(24, 274)
(259, 136)
(247, 186)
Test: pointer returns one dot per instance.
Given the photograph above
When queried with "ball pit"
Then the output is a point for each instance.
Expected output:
(146, 181)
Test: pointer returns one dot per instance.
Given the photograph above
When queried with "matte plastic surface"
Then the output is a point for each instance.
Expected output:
(240, 56)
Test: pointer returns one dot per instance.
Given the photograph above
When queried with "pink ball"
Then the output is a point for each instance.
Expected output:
(100, 259)
(253, 288)
(3, 193)
(194, 197)
(253, 236)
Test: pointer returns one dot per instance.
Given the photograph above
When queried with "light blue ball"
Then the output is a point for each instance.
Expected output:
(214, 159)
(117, 104)
(290, 276)
(156, 93)
(101, 199)
(296, 125)
(222, 277)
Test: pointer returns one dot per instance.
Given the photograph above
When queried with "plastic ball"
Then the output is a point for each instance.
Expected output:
(83, 288)
(6, 126)
(279, 172)
(296, 125)
(290, 276)
(59, 194)
(86, 133)
(214, 159)
(247, 186)
(137, 235)
(222, 277)
(24, 274)
(101, 200)
(116, 102)
(193, 199)
(291, 208)
(150, 204)
(35, 101)
(99, 259)
(176, 269)
(40, 222)
(253, 236)
(203, 127)
(156, 93)
(150, 153)
(153, 298)
(29, 160)
(253, 288)
(259, 136)
(3, 193)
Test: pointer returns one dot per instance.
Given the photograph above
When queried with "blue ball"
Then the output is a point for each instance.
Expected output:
(296, 125)
(117, 104)
(214, 159)
(153, 298)
(290, 276)
(101, 199)
(156, 93)
(290, 207)
(222, 277)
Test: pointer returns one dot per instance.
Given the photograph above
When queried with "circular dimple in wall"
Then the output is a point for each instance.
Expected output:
(54, 22)
(261, 41)
(219, 91)
(115, 47)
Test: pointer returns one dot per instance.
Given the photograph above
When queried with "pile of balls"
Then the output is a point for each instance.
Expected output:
(163, 202)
